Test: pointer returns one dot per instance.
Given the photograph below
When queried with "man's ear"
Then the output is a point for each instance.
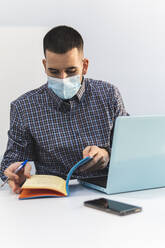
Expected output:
(85, 66)
(44, 63)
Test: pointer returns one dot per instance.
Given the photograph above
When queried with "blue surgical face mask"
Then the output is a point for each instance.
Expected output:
(65, 88)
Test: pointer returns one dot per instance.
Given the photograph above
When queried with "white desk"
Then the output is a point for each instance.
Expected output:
(59, 222)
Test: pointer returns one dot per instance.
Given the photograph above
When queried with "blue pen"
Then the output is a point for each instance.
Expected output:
(16, 171)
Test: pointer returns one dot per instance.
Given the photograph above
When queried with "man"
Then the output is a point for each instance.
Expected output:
(66, 119)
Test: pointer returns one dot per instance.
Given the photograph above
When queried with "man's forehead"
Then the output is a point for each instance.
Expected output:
(71, 54)
(69, 59)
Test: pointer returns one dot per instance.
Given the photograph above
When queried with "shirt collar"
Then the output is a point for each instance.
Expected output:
(81, 90)
(58, 101)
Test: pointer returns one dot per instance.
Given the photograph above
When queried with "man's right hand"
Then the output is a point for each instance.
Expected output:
(15, 180)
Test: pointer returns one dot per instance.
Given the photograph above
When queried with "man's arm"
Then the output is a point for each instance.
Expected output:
(102, 154)
(119, 108)
(19, 146)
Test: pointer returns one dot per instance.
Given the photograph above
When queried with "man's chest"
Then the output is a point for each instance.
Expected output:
(53, 129)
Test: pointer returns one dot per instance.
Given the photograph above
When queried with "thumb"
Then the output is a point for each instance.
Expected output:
(86, 151)
(27, 170)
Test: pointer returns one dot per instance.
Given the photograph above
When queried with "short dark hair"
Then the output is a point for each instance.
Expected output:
(61, 39)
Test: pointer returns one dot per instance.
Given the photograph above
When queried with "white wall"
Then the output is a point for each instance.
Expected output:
(124, 41)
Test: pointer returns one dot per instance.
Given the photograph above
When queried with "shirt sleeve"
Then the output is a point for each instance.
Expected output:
(20, 142)
(119, 108)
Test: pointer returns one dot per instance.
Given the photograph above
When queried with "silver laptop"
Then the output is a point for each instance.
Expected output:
(138, 156)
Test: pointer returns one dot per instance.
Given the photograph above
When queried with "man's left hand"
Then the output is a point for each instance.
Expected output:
(100, 158)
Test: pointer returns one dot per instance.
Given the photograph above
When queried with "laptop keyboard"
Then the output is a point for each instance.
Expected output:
(99, 181)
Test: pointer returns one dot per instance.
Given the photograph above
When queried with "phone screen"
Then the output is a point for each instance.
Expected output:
(111, 206)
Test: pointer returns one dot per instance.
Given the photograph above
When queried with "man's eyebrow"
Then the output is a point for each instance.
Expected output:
(71, 67)
(52, 69)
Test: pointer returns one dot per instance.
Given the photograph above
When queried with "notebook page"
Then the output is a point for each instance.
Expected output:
(45, 182)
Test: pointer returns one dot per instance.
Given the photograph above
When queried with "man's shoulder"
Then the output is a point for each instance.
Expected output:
(100, 85)
(30, 95)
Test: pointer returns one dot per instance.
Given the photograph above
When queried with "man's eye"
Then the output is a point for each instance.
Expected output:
(70, 72)
(54, 72)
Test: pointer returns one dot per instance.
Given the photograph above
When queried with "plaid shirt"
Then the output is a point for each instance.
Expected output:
(53, 132)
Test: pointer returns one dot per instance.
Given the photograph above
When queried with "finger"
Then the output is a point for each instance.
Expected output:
(103, 164)
(11, 175)
(11, 184)
(10, 171)
(89, 164)
(27, 170)
(14, 186)
(86, 151)
(93, 151)
(93, 163)
(100, 160)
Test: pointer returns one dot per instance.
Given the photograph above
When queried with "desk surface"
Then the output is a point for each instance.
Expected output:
(54, 222)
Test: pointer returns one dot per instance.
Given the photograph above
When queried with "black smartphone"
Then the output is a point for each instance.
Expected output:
(110, 206)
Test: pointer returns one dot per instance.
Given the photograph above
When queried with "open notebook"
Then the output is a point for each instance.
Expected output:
(38, 186)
